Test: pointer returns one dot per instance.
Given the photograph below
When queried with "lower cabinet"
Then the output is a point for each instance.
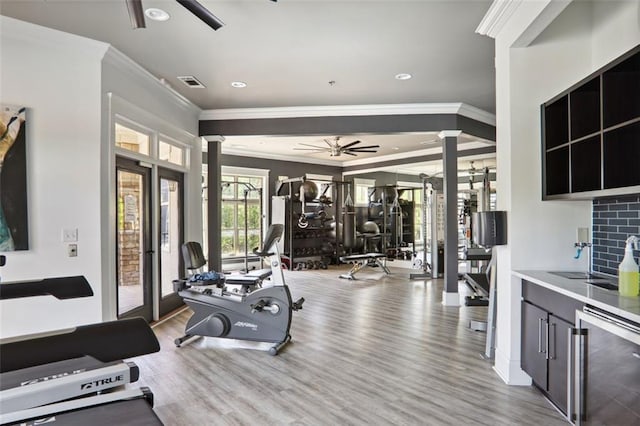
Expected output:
(546, 319)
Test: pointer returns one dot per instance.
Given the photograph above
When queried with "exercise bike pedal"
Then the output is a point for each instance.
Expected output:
(297, 305)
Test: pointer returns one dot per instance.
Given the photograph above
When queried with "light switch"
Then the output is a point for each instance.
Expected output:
(70, 235)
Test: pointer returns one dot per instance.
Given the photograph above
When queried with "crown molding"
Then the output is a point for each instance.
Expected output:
(280, 157)
(449, 134)
(349, 110)
(350, 163)
(497, 16)
(127, 65)
(54, 39)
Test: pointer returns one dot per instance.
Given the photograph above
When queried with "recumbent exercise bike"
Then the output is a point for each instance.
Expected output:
(244, 307)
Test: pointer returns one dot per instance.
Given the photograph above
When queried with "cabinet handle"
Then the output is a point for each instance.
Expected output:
(551, 327)
(540, 321)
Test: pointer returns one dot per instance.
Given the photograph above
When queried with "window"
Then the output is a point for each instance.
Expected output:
(361, 191)
(239, 191)
(171, 153)
(132, 140)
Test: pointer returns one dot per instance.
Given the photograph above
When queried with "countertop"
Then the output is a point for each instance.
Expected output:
(608, 300)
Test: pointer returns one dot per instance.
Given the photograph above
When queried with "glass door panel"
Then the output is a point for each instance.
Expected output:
(171, 239)
(133, 240)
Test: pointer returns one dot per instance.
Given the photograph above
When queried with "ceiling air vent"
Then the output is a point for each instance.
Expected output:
(190, 81)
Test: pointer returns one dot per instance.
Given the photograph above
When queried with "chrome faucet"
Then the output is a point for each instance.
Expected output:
(580, 246)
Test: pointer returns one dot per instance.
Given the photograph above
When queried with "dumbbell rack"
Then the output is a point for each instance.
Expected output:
(314, 245)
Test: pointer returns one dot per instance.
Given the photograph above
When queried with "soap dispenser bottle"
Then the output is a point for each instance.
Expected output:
(628, 275)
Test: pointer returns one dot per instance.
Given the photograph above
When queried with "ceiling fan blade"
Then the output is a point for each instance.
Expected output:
(312, 146)
(202, 13)
(136, 13)
(364, 147)
(357, 151)
(348, 153)
(310, 149)
(350, 144)
(328, 142)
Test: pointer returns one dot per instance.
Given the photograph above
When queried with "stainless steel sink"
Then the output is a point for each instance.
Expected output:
(573, 275)
(602, 283)
(595, 280)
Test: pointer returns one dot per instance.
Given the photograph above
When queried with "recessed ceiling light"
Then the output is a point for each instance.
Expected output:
(238, 145)
(156, 14)
(395, 148)
(403, 76)
(238, 84)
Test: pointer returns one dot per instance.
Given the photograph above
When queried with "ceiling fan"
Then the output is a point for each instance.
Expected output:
(335, 149)
(136, 13)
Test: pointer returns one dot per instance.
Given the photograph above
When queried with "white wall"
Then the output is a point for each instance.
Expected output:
(132, 92)
(57, 77)
(63, 80)
(584, 37)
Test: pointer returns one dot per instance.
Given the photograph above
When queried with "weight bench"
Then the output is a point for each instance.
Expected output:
(479, 284)
(361, 260)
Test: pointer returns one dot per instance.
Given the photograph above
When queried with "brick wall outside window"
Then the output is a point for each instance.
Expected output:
(614, 219)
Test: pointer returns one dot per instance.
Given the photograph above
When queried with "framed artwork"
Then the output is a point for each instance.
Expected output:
(13, 179)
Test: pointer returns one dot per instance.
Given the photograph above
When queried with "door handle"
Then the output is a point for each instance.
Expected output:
(571, 373)
(149, 252)
(576, 375)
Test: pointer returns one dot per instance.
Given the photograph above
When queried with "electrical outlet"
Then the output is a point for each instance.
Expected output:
(72, 250)
(69, 235)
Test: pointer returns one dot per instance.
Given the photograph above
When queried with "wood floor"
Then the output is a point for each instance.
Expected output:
(381, 350)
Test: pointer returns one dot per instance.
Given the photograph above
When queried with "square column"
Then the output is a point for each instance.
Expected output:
(450, 296)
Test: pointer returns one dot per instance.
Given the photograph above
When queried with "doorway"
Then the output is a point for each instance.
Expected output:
(170, 237)
(133, 248)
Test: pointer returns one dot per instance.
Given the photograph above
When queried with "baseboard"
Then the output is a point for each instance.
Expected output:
(450, 299)
(509, 371)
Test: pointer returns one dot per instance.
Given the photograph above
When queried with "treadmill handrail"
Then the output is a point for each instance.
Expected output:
(60, 288)
(108, 341)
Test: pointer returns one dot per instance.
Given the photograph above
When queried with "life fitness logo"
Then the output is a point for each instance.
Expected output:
(102, 382)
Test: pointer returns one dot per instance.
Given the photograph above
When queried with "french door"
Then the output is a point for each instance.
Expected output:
(170, 184)
(133, 249)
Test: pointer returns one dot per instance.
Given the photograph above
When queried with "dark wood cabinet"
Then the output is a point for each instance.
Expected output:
(621, 153)
(621, 92)
(586, 165)
(558, 360)
(546, 319)
(591, 134)
(556, 123)
(533, 358)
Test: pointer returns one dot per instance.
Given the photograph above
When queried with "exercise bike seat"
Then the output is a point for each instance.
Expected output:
(193, 256)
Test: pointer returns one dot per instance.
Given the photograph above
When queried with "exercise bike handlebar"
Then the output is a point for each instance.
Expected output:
(274, 233)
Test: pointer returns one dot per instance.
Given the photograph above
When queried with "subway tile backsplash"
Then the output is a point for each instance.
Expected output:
(614, 219)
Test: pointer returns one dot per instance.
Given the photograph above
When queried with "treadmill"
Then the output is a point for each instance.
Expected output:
(74, 376)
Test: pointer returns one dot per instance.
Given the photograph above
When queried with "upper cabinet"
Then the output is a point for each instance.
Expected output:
(591, 134)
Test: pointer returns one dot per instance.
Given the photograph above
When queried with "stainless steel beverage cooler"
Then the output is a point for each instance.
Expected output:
(604, 370)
